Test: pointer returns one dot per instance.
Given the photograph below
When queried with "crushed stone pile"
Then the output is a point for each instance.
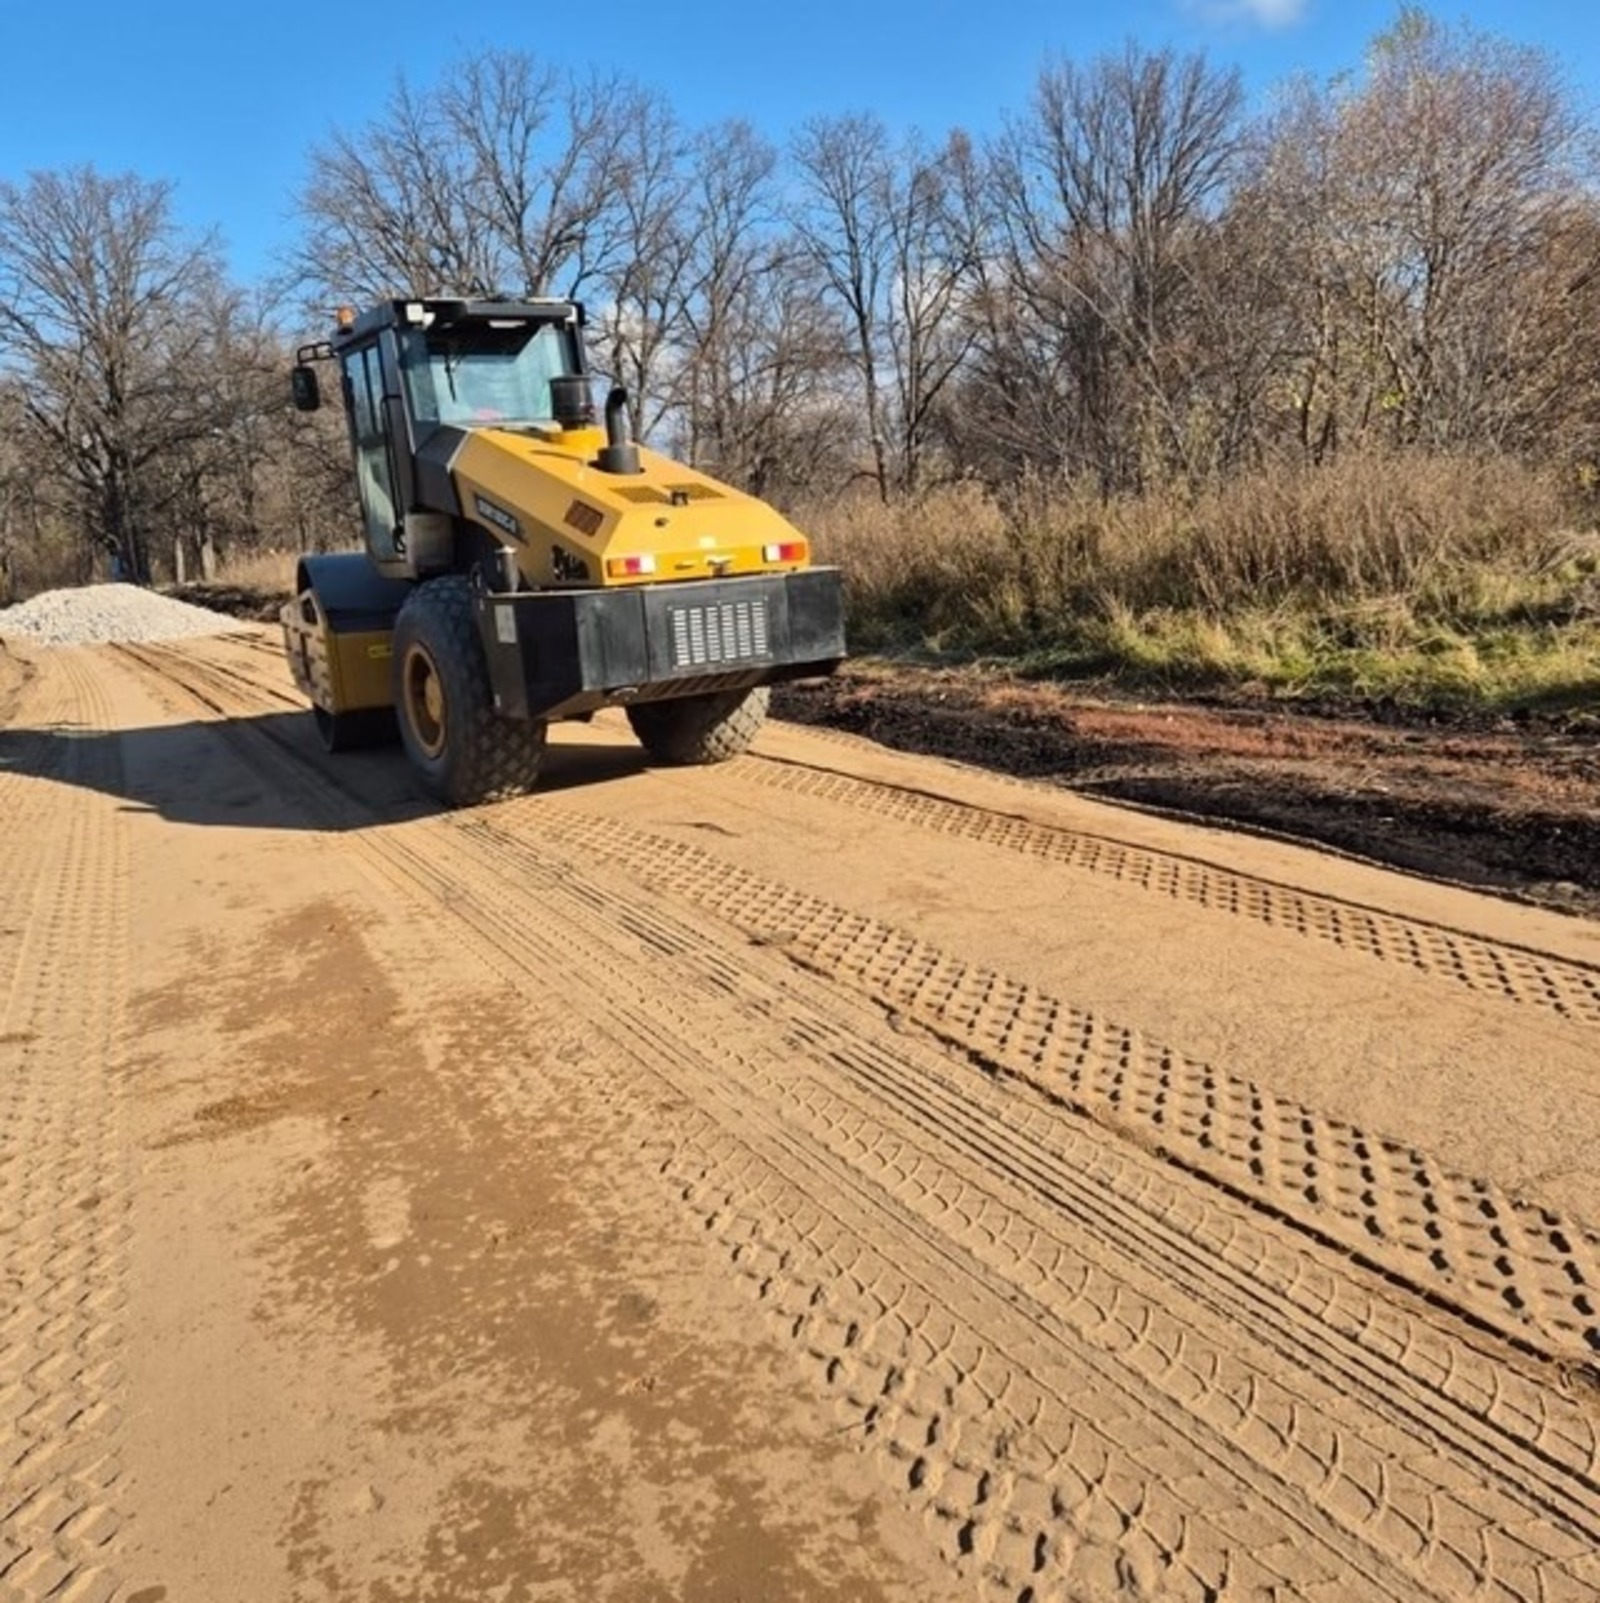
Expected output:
(101, 613)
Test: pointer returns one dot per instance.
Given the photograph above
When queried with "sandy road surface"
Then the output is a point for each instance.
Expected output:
(834, 1176)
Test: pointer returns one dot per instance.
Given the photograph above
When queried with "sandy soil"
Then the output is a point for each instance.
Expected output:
(839, 1175)
(1506, 804)
(1509, 804)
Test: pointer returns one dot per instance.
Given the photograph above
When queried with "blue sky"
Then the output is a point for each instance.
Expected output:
(226, 100)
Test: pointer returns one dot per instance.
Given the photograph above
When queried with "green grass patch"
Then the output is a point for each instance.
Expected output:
(1288, 655)
(1431, 582)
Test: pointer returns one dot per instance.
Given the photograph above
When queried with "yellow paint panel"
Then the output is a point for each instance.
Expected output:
(362, 665)
(556, 511)
(337, 672)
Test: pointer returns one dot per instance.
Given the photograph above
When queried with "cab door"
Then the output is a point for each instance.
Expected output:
(375, 477)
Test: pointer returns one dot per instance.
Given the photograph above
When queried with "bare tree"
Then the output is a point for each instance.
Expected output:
(1551, 366)
(16, 474)
(546, 154)
(841, 224)
(498, 181)
(1411, 208)
(209, 493)
(935, 270)
(770, 407)
(1474, 139)
(756, 365)
(107, 311)
(387, 210)
(1128, 285)
(1004, 411)
(877, 223)
(1103, 193)
(648, 264)
(728, 226)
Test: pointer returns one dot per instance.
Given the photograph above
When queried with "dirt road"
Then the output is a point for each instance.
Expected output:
(840, 1175)
(1509, 803)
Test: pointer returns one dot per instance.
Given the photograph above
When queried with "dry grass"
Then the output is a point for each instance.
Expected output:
(1424, 580)
(269, 571)
(1428, 578)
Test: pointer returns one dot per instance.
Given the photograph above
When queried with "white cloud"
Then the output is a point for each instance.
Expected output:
(1263, 13)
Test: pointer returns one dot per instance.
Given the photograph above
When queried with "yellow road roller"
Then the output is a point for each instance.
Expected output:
(527, 560)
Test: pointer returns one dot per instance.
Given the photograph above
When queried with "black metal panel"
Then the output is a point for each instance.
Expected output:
(816, 616)
(613, 642)
(436, 485)
(553, 654)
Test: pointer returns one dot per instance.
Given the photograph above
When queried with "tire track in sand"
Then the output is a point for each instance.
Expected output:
(1522, 1269)
(1054, 1175)
(1511, 972)
(33, 749)
(64, 1192)
(1514, 1265)
(1493, 968)
(1068, 1421)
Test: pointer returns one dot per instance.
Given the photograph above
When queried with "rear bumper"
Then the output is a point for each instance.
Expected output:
(558, 654)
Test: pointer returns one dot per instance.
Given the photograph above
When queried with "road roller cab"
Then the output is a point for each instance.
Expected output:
(526, 560)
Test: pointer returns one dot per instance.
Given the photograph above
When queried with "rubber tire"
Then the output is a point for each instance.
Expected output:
(483, 757)
(355, 731)
(700, 729)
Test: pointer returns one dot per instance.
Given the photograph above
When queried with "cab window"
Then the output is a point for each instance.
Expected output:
(477, 374)
(374, 480)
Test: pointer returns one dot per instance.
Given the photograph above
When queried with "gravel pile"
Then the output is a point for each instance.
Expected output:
(108, 612)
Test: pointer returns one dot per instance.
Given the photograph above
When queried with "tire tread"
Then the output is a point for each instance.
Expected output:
(487, 758)
(695, 730)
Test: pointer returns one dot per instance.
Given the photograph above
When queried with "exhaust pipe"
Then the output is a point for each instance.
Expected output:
(619, 454)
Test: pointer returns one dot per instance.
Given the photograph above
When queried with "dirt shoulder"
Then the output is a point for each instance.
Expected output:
(1506, 806)
(238, 601)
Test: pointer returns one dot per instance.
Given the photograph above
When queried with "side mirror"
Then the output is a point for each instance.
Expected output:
(303, 387)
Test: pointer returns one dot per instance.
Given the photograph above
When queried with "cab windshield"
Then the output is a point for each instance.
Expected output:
(482, 374)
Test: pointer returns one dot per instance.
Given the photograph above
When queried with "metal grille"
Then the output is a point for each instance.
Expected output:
(708, 636)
